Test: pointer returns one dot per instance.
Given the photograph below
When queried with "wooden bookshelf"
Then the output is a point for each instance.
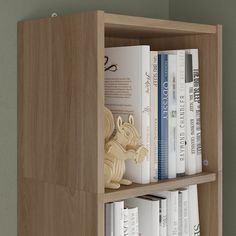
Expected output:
(60, 119)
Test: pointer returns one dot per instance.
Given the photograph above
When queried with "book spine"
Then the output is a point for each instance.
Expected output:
(153, 117)
(119, 218)
(163, 116)
(194, 225)
(189, 110)
(126, 222)
(180, 219)
(145, 116)
(109, 219)
(196, 91)
(180, 127)
(163, 217)
(133, 222)
(185, 213)
(172, 118)
(174, 213)
(155, 218)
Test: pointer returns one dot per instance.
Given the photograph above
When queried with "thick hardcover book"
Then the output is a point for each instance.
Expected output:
(189, 121)
(127, 91)
(172, 117)
(162, 116)
(133, 228)
(172, 210)
(148, 215)
(118, 218)
(109, 219)
(154, 118)
(196, 92)
(194, 229)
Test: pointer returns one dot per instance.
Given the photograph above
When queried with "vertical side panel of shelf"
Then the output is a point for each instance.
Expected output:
(210, 52)
(60, 125)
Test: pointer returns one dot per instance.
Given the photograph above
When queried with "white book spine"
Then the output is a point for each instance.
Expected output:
(180, 128)
(185, 213)
(109, 219)
(174, 214)
(172, 117)
(180, 219)
(133, 222)
(163, 231)
(119, 218)
(145, 72)
(126, 222)
(196, 86)
(194, 224)
(189, 110)
(153, 118)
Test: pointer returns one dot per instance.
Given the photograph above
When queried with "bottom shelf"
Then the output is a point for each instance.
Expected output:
(134, 190)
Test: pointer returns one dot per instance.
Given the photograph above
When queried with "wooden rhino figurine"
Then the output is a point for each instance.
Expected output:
(121, 145)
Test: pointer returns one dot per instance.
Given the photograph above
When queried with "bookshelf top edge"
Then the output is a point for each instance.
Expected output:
(126, 22)
(116, 21)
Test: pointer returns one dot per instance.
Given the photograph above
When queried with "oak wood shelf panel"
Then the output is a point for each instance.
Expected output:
(135, 190)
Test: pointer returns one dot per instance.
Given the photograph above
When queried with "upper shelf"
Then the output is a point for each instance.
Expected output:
(135, 190)
(121, 25)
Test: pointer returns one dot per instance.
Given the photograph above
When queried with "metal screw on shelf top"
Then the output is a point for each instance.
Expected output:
(54, 14)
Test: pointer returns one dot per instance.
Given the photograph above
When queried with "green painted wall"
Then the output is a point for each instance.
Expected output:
(12, 11)
(220, 12)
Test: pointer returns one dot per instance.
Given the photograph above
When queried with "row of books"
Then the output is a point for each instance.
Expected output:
(167, 213)
(161, 90)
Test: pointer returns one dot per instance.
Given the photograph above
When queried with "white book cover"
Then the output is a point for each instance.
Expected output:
(172, 210)
(127, 91)
(183, 213)
(118, 218)
(133, 228)
(189, 121)
(172, 117)
(194, 229)
(196, 91)
(154, 117)
(148, 215)
(109, 219)
(180, 102)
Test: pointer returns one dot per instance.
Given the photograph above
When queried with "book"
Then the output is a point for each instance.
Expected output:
(194, 224)
(196, 103)
(172, 116)
(183, 213)
(162, 116)
(189, 121)
(148, 216)
(127, 91)
(109, 219)
(133, 228)
(154, 117)
(118, 218)
(172, 210)
(126, 222)
(180, 116)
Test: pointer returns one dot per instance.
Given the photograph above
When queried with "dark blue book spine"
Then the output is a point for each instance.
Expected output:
(162, 116)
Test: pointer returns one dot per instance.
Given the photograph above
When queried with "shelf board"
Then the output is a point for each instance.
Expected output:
(121, 25)
(135, 190)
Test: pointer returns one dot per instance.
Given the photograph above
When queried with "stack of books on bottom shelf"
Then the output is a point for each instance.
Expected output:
(166, 213)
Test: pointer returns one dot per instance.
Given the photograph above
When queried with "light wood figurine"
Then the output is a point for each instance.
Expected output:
(121, 144)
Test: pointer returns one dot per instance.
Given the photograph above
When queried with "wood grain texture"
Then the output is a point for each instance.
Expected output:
(130, 26)
(49, 210)
(135, 190)
(60, 125)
